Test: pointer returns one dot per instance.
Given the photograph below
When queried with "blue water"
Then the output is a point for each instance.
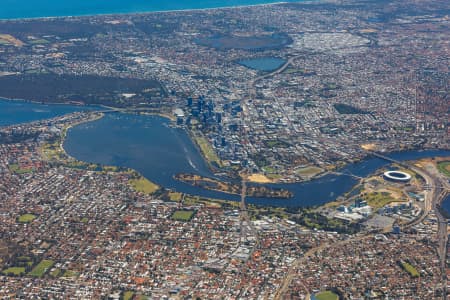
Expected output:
(16, 112)
(14, 9)
(445, 205)
(148, 145)
(263, 63)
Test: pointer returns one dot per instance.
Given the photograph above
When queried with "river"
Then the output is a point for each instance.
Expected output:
(148, 145)
(446, 205)
(17, 111)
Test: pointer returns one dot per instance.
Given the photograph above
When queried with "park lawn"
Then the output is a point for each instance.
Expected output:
(128, 295)
(69, 273)
(207, 150)
(55, 273)
(41, 268)
(275, 143)
(174, 196)
(309, 171)
(182, 215)
(379, 199)
(191, 200)
(268, 169)
(25, 260)
(110, 168)
(444, 168)
(143, 185)
(26, 218)
(327, 295)
(14, 270)
(52, 151)
(410, 269)
(274, 176)
(15, 168)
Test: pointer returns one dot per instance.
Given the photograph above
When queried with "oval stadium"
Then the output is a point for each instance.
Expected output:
(397, 176)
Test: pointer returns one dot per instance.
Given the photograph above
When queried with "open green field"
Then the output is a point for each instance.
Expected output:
(379, 199)
(276, 143)
(143, 185)
(128, 295)
(207, 150)
(327, 295)
(271, 173)
(309, 171)
(24, 261)
(26, 218)
(268, 169)
(41, 268)
(410, 269)
(444, 168)
(15, 271)
(175, 196)
(193, 200)
(15, 168)
(55, 273)
(182, 215)
(52, 151)
(110, 168)
(274, 176)
(69, 273)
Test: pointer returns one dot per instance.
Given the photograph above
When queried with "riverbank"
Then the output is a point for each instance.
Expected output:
(117, 140)
(17, 111)
(43, 103)
(98, 116)
(49, 152)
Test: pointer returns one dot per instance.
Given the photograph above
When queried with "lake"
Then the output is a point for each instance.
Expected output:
(17, 111)
(148, 145)
(17, 9)
(263, 63)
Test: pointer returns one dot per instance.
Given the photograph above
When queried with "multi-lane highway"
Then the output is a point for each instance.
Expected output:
(437, 191)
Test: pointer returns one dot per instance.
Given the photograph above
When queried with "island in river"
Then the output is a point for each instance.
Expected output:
(257, 191)
(117, 139)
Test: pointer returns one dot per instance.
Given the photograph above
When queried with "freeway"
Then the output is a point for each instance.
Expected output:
(438, 189)
(433, 197)
(251, 96)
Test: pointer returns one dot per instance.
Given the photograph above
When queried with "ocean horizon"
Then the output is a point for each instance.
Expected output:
(29, 9)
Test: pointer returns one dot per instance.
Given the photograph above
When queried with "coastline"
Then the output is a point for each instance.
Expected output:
(142, 13)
